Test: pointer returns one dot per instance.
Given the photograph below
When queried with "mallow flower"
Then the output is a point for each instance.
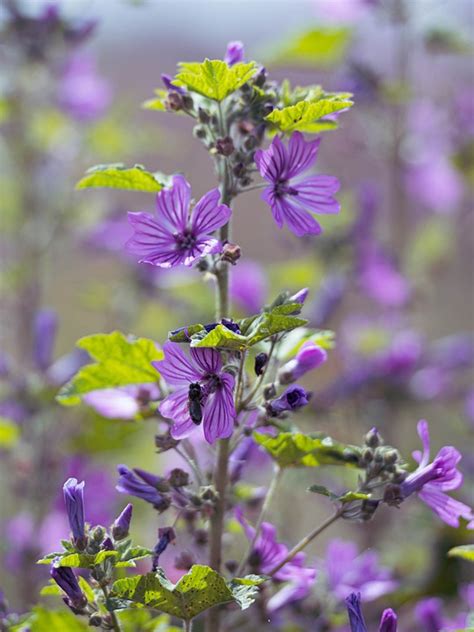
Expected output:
(388, 622)
(204, 392)
(293, 201)
(177, 235)
(432, 480)
(292, 398)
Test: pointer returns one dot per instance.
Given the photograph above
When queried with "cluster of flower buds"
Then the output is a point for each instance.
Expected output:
(159, 491)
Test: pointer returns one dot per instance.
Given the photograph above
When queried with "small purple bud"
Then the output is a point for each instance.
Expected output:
(166, 535)
(67, 581)
(388, 622)
(44, 335)
(234, 53)
(373, 439)
(293, 398)
(261, 360)
(309, 357)
(74, 499)
(107, 544)
(356, 618)
(167, 79)
(299, 297)
(159, 482)
(121, 526)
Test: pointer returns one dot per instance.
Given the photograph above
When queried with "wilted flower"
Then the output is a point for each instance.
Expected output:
(166, 536)
(199, 379)
(292, 201)
(308, 357)
(74, 499)
(176, 235)
(431, 481)
(142, 485)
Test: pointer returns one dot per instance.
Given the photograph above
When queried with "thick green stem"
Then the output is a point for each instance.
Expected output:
(266, 503)
(302, 544)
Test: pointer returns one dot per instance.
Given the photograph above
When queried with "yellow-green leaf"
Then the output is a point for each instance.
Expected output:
(214, 79)
(465, 552)
(322, 47)
(306, 116)
(117, 176)
(9, 433)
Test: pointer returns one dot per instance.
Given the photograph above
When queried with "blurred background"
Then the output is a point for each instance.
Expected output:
(392, 275)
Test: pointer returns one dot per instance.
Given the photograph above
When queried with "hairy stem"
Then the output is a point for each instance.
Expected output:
(113, 617)
(277, 474)
(302, 544)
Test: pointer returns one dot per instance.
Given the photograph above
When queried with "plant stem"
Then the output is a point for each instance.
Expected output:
(259, 381)
(187, 625)
(192, 464)
(277, 474)
(306, 540)
(113, 616)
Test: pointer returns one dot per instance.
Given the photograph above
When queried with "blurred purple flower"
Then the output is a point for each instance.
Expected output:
(308, 357)
(74, 500)
(202, 370)
(234, 53)
(348, 571)
(294, 202)
(429, 614)
(435, 184)
(431, 481)
(402, 355)
(142, 485)
(83, 94)
(44, 335)
(343, 11)
(176, 236)
(292, 398)
(124, 402)
(248, 286)
(380, 279)
(329, 297)
(388, 621)
(469, 407)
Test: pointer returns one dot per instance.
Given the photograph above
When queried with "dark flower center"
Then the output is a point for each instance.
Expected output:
(282, 189)
(293, 397)
(185, 240)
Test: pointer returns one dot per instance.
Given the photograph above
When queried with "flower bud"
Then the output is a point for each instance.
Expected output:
(95, 620)
(373, 438)
(293, 398)
(166, 535)
(65, 578)
(225, 146)
(203, 116)
(74, 500)
(184, 561)
(309, 357)
(234, 53)
(178, 478)
(388, 622)
(165, 442)
(121, 526)
(260, 363)
(231, 253)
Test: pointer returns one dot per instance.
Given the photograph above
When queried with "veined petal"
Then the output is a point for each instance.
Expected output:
(447, 508)
(177, 368)
(301, 154)
(173, 204)
(219, 411)
(208, 214)
(208, 360)
(149, 236)
(424, 434)
(272, 162)
(175, 406)
(316, 194)
(299, 221)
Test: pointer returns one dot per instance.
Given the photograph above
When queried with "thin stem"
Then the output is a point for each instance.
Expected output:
(253, 187)
(306, 540)
(240, 379)
(277, 474)
(113, 616)
(259, 381)
(187, 625)
(192, 464)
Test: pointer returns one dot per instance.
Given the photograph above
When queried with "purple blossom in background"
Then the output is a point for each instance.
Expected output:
(66, 579)
(44, 335)
(268, 553)
(389, 621)
(292, 398)
(469, 407)
(294, 201)
(124, 402)
(83, 93)
(248, 286)
(348, 571)
(431, 481)
(74, 500)
(204, 369)
(308, 357)
(329, 297)
(436, 185)
(143, 485)
(380, 279)
(429, 614)
(234, 53)
(176, 235)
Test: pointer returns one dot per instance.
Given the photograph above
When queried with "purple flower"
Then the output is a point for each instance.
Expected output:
(389, 621)
(381, 281)
(65, 578)
(308, 357)
(356, 618)
(293, 398)
(429, 614)
(436, 184)
(293, 202)
(348, 571)
(167, 82)
(431, 481)
(212, 387)
(74, 499)
(330, 294)
(176, 235)
(268, 553)
(142, 485)
(44, 329)
(124, 402)
(83, 93)
(234, 53)
(248, 286)
(121, 526)
(166, 535)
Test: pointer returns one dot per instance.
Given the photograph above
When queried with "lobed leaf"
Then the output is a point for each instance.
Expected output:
(120, 361)
(308, 116)
(465, 552)
(117, 176)
(214, 79)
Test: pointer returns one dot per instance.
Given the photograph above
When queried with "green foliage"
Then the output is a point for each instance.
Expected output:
(42, 620)
(143, 621)
(465, 552)
(9, 433)
(348, 497)
(124, 557)
(321, 47)
(200, 589)
(302, 450)
(117, 176)
(120, 361)
(157, 102)
(306, 116)
(214, 79)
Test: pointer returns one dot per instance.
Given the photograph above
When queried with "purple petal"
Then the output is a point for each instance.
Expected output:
(272, 163)
(45, 327)
(177, 368)
(208, 360)
(234, 53)
(424, 434)
(301, 154)
(150, 240)
(316, 193)
(173, 204)
(208, 214)
(447, 508)
(113, 403)
(219, 411)
(176, 407)
(299, 221)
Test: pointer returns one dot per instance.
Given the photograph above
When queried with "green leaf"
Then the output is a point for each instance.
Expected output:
(223, 338)
(214, 79)
(120, 361)
(42, 620)
(306, 117)
(185, 333)
(157, 102)
(132, 554)
(323, 491)
(79, 560)
(465, 552)
(135, 620)
(322, 47)
(117, 176)
(301, 450)
(198, 590)
(9, 433)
